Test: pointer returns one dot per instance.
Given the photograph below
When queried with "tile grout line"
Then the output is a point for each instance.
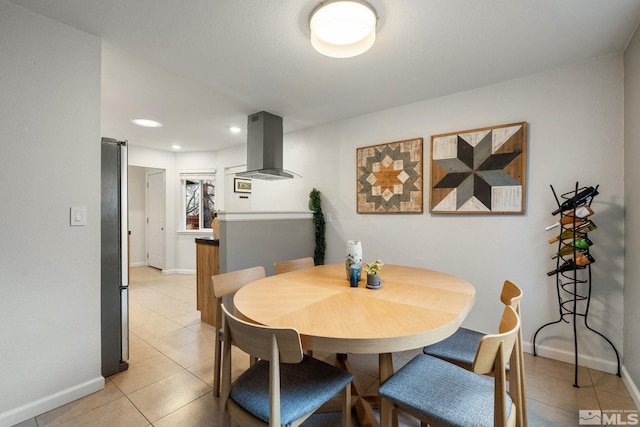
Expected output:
(183, 368)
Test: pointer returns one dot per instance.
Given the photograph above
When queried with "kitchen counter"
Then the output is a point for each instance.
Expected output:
(207, 240)
(207, 265)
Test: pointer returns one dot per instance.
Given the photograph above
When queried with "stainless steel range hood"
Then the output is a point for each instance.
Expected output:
(264, 148)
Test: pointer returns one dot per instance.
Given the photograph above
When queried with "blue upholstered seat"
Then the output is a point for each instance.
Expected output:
(443, 392)
(221, 285)
(460, 348)
(284, 386)
(304, 387)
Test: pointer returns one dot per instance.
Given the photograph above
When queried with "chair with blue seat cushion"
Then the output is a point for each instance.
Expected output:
(460, 349)
(284, 387)
(440, 393)
(293, 264)
(222, 285)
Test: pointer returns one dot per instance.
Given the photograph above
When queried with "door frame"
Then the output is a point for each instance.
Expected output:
(150, 172)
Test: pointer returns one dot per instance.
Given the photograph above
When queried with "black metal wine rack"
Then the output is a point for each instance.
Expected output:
(574, 285)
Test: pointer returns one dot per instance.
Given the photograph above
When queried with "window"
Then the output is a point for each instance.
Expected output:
(199, 199)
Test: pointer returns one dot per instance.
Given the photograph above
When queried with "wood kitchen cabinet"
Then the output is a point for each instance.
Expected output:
(207, 265)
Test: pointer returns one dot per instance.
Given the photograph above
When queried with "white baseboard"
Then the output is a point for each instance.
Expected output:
(47, 403)
(610, 366)
(179, 271)
(590, 362)
(632, 387)
(166, 272)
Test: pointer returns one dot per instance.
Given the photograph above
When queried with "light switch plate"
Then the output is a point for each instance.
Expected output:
(78, 216)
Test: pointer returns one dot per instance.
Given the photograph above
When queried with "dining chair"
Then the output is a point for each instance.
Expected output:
(285, 387)
(440, 393)
(293, 264)
(460, 349)
(222, 285)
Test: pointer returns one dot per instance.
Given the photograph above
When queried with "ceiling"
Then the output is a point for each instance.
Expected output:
(201, 66)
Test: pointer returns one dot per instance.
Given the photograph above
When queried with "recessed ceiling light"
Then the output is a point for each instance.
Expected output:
(235, 129)
(148, 123)
(176, 146)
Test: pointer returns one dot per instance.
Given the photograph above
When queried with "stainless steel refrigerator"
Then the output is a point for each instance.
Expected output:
(115, 258)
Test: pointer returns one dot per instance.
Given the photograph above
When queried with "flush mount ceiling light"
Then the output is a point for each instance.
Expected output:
(343, 28)
(148, 123)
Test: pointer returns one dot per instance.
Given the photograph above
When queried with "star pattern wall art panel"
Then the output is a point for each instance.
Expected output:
(479, 171)
(389, 177)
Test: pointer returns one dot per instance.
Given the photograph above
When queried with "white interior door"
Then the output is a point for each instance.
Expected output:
(156, 219)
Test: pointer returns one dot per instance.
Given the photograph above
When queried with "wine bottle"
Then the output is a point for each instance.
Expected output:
(571, 233)
(581, 261)
(571, 216)
(579, 212)
(568, 223)
(576, 200)
(580, 244)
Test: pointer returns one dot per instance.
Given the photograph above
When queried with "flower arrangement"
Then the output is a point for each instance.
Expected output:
(374, 267)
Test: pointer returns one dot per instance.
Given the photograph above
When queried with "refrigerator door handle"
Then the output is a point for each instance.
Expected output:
(124, 214)
(124, 294)
(124, 251)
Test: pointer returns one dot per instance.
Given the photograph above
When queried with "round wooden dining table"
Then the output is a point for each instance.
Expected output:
(413, 308)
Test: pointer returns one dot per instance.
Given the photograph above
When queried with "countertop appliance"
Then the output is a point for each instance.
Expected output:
(114, 258)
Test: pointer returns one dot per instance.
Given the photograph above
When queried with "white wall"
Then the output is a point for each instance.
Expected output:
(50, 114)
(286, 195)
(230, 161)
(632, 213)
(137, 216)
(575, 122)
(575, 133)
(180, 245)
(185, 241)
(49, 161)
(148, 158)
(265, 195)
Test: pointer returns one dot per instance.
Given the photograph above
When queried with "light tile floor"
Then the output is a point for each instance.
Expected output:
(169, 380)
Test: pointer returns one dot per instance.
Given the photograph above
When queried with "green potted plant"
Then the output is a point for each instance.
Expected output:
(315, 205)
(373, 270)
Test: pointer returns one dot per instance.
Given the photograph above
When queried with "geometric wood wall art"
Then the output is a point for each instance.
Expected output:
(479, 171)
(389, 177)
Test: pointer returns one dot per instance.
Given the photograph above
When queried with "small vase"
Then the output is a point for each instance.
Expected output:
(373, 281)
(354, 276)
(354, 255)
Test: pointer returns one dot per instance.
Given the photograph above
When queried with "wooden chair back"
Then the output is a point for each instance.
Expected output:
(258, 340)
(293, 264)
(228, 283)
(272, 344)
(491, 358)
(222, 285)
(512, 295)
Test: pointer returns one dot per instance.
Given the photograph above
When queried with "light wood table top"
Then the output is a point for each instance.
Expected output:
(414, 307)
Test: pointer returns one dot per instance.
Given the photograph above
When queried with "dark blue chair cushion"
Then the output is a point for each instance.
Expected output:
(443, 392)
(460, 348)
(304, 387)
